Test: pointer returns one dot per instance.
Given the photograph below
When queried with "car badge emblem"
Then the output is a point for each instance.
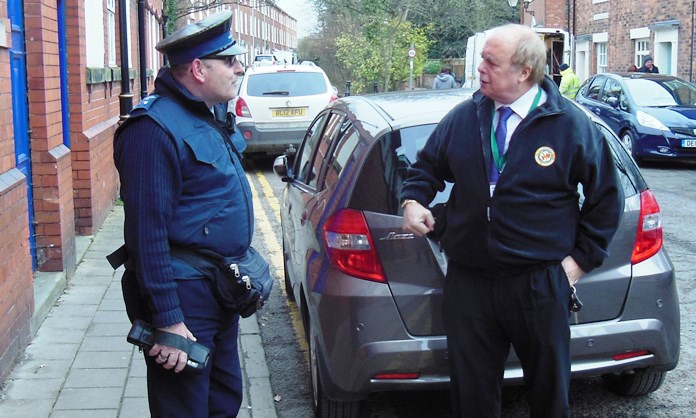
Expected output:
(544, 156)
(288, 103)
(393, 236)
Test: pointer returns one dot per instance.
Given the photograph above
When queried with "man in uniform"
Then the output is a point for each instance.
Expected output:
(182, 184)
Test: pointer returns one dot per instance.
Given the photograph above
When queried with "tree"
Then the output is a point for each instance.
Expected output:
(371, 40)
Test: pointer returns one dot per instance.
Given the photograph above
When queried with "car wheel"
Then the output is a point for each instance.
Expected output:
(288, 283)
(323, 406)
(629, 142)
(638, 383)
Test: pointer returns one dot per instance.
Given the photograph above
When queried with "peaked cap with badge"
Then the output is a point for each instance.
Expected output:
(210, 36)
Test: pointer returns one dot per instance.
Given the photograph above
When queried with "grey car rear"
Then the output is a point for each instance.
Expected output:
(371, 294)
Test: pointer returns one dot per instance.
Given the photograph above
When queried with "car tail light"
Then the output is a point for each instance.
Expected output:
(649, 235)
(241, 108)
(333, 98)
(350, 247)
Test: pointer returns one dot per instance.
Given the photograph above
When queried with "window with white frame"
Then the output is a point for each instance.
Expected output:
(111, 32)
(601, 57)
(642, 50)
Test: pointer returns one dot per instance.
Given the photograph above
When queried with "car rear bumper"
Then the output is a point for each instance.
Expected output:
(649, 323)
(270, 140)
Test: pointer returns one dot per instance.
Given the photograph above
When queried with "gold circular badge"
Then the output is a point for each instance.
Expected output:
(544, 156)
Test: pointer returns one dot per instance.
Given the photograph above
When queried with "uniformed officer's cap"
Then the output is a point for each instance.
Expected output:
(210, 36)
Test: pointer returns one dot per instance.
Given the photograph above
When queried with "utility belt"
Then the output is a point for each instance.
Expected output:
(241, 283)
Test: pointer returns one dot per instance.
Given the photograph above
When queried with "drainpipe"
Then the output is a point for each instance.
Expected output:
(141, 48)
(125, 99)
(691, 68)
(165, 19)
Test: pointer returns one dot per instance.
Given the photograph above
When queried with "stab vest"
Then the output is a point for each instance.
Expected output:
(215, 209)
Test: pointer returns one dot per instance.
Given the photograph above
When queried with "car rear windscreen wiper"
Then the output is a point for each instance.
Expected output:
(276, 93)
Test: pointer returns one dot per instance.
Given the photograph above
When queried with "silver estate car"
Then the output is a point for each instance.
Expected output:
(370, 294)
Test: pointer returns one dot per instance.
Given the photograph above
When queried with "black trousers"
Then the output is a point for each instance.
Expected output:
(216, 391)
(484, 316)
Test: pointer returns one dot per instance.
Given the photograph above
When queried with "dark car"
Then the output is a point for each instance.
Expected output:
(370, 293)
(654, 115)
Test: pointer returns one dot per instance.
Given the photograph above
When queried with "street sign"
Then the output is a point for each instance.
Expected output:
(412, 53)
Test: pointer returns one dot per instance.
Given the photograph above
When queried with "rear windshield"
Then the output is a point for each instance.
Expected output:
(386, 166)
(286, 84)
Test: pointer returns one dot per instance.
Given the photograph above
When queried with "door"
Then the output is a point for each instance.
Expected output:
(20, 109)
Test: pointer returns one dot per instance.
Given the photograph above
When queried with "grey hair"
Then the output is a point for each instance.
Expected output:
(530, 49)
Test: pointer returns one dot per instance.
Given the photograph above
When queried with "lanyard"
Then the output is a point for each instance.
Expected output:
(500, 160)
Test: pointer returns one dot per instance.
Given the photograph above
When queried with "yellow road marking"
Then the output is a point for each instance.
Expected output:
(274, 246)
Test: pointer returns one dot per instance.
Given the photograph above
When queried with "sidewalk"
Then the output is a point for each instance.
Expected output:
(79, 363)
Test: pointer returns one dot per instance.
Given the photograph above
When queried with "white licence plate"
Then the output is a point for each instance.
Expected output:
(689, 143)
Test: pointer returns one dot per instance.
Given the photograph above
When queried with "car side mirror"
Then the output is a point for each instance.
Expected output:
(282, 168)
(613, 102)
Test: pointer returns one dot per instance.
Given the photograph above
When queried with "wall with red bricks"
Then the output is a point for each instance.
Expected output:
(52, 175)
(74, 186)
(625, 15)
(16, 280)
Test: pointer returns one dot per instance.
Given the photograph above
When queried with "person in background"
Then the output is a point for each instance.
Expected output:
(648, 66)
(182, 184)
(570, 83)
(633, 68)
(444, 80)
(516, 236)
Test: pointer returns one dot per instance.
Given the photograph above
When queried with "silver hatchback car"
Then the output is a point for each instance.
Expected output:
(370, 293)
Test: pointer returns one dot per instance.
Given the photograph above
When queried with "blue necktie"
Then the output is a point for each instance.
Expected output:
(504, 114)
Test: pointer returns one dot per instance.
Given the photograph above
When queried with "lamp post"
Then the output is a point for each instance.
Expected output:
(525, 7)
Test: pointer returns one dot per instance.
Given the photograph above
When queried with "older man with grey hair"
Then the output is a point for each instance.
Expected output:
(515, 233)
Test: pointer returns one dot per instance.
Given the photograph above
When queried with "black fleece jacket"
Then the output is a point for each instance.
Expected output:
(534, 215)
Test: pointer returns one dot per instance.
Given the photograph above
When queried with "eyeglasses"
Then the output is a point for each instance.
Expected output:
(229, 59)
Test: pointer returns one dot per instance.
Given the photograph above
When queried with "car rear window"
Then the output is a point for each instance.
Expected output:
(286, 84)
(379, 183)
(385, 170)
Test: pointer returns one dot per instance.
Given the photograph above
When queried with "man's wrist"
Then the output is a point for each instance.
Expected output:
(406, 202)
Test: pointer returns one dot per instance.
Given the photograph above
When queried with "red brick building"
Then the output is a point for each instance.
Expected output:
(610, 35)
(61, 98)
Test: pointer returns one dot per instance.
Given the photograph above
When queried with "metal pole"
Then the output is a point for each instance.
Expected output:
(691, 67)
(410, 76)
(165, 18)
(125, 99)
(347, 89)
(141, 48)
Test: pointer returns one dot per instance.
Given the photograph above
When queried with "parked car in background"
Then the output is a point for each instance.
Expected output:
(654, 115)
(277, 102)
(370, 293)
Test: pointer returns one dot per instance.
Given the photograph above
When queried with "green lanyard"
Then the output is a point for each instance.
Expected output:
(500, 160)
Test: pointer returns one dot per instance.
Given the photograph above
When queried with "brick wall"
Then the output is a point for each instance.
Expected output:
(51, 169)
(625, 15)
(16, 287)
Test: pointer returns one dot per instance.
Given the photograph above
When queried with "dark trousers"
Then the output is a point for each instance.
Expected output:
(217, 390)
(484, 316)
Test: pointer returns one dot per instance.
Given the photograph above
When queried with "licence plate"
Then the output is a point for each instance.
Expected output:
(689, 143)
(289, 112)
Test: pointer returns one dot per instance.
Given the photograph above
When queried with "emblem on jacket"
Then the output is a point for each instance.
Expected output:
(544, 156)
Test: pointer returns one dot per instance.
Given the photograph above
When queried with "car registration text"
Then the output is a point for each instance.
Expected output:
(289, 112)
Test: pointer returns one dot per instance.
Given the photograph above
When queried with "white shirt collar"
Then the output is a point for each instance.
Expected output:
(521, 106)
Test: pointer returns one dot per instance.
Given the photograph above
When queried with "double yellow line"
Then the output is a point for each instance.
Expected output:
(272, 240)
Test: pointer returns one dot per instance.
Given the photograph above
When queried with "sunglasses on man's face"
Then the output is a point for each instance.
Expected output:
(229, 59)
